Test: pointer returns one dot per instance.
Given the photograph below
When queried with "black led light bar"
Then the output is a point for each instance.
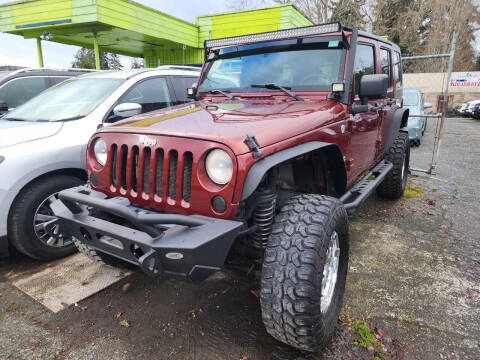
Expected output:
(275, 35)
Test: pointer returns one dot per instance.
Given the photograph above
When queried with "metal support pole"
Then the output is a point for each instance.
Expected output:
(96, 48)
(438, 138)
(40, 53)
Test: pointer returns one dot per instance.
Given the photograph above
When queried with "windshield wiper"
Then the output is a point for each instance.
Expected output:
(224, 93)
(285, 89)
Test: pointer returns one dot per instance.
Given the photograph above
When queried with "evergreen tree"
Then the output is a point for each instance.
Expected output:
(136, 64)
(85, 59)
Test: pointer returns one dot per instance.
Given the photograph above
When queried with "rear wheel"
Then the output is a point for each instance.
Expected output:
(33, 229)
(304, 271)
(395, 182)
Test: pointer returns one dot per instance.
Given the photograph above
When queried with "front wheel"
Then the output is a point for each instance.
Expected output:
(33, 229)
(304, 271)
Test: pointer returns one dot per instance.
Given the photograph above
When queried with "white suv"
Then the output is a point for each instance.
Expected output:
(43, 144)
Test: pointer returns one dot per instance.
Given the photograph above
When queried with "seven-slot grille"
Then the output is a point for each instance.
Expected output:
(166, 174)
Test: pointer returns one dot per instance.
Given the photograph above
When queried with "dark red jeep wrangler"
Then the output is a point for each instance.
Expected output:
(290, 131)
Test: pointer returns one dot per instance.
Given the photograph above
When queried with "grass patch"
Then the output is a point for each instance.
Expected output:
(412, 192)
(364, 337)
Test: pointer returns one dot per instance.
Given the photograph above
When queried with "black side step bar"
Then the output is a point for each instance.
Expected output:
(361, 190)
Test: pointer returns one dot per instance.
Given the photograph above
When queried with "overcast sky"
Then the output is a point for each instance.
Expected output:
(14, 50)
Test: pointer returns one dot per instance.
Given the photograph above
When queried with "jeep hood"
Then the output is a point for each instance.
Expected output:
(230, 122)
(17, 132)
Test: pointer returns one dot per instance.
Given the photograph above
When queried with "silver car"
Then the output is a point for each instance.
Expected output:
(43, 144)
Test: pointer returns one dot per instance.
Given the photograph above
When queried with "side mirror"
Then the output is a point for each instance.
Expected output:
(191, 91)
(427, 106)
(373, 87)
(127, 109)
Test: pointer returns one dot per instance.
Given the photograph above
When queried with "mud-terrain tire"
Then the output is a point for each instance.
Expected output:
(394, 184)
(293, 271)
(33, 200)
(98, 256)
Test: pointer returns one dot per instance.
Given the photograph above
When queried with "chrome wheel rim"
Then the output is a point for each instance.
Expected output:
(330, 272)
(46, 225)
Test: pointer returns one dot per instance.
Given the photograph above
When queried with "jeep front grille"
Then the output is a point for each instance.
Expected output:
(142, 170)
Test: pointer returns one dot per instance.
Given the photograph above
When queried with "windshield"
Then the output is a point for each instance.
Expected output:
(410, 99)
(69, 100)
(312, 67)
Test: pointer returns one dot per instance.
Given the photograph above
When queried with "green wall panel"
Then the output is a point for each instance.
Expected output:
(128, 28)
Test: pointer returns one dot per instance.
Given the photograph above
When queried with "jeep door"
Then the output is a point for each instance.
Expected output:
(388, 67)
(363, 127)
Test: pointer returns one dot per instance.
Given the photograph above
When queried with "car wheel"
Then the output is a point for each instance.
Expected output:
(98, 256)
(424, 126)
(395, 182)
(32, 227)
(304, 271)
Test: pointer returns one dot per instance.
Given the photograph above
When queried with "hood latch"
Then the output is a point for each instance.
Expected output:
(253, 145)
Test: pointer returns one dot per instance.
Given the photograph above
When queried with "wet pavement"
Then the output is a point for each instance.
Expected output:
(414, 278)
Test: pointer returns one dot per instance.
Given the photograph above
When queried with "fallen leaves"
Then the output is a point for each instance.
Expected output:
(382, 333)
(117, 315)
(430, 202)
(126, 287)
(255, 293)
(124, 323)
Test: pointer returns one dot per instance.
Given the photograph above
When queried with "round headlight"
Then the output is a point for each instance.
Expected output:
(219, 166)
(100, 150)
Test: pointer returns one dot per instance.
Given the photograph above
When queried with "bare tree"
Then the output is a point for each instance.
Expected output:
(424, 27)
(237, 5)
(419, 27)
(348, 12)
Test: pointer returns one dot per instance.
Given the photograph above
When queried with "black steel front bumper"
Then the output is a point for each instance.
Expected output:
(186, 247)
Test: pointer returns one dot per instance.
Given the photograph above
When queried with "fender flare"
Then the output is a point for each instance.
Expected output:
(399, 121)
(258, 170)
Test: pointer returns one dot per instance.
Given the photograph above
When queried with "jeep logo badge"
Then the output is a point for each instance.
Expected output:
(147, 142)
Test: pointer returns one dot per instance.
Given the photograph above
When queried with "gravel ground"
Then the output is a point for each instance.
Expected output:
(414, 278)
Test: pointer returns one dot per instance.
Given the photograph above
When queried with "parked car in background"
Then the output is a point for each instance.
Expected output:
(461, 110)
(43, 144)
(456, 110)
(470, 106)
(17, 87)
(413, 100)
(476, 111)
